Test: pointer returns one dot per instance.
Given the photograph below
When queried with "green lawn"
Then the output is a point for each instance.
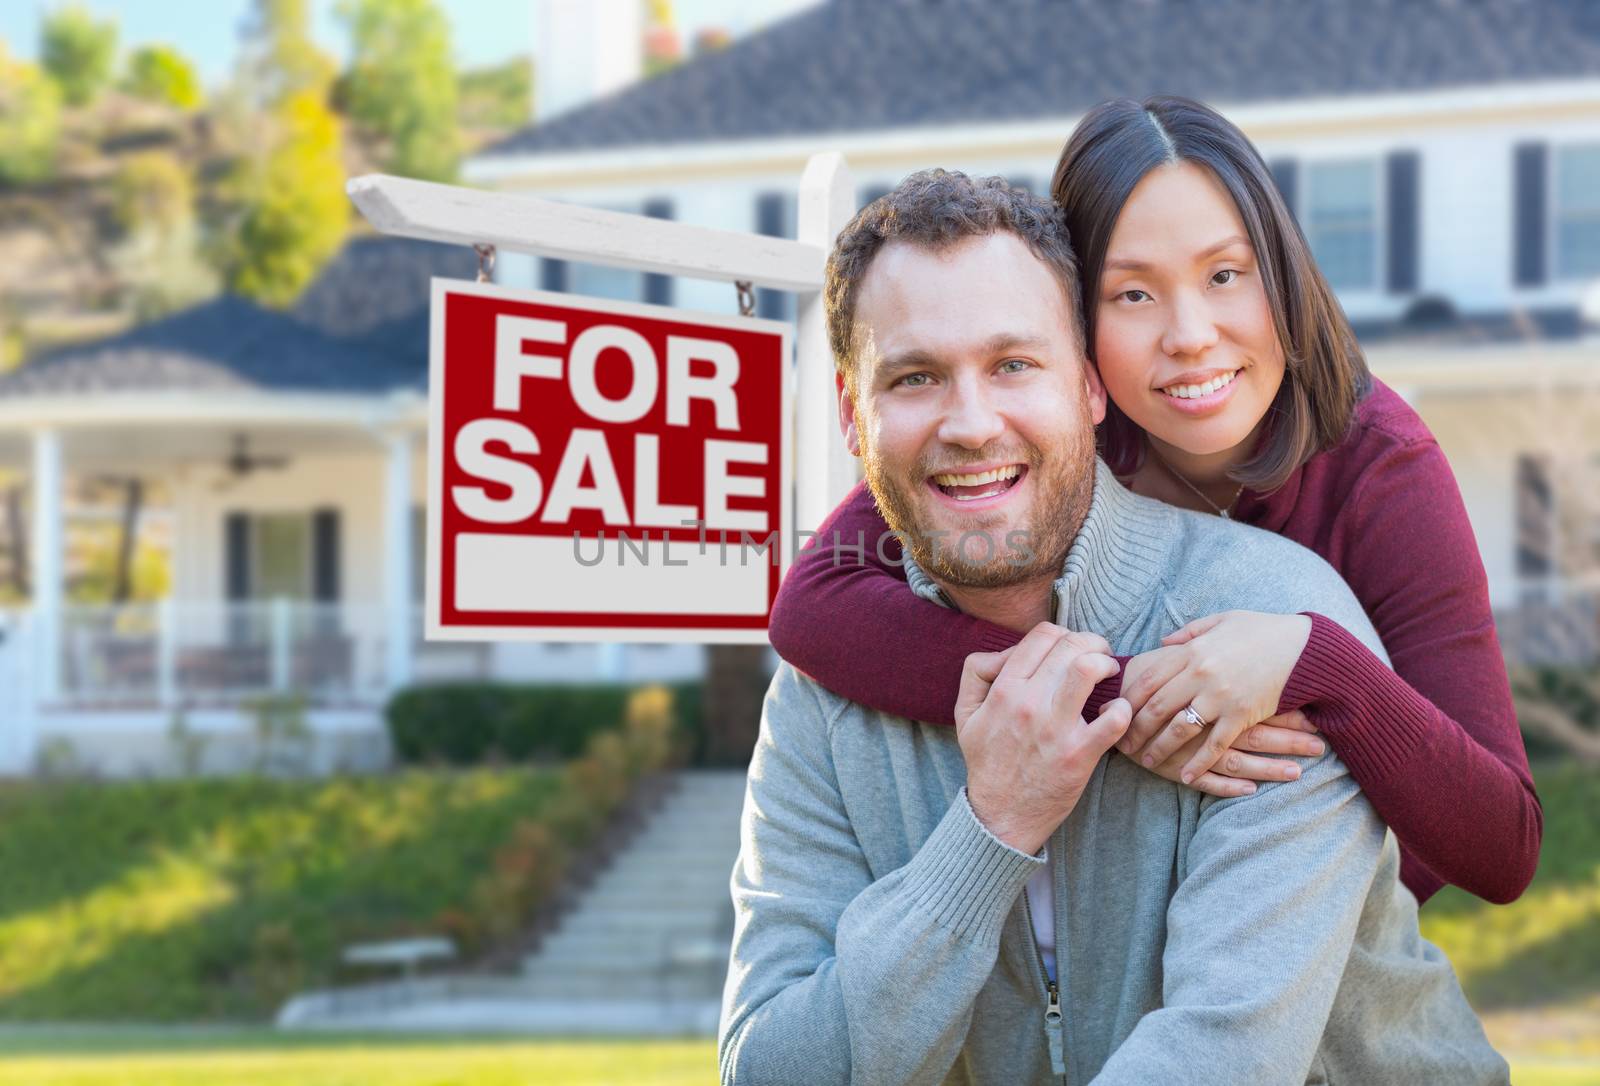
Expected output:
(261, 1058)
(216, 899)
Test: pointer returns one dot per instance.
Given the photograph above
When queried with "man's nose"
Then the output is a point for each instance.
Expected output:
(1191, 328)
(970, 419)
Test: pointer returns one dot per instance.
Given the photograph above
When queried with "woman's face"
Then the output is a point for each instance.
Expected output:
(1184, 337)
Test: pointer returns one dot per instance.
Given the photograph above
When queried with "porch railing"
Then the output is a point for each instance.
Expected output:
(193, 653)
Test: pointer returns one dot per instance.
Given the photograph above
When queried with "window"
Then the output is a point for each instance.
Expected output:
(282, 550)
(1576, 208)
(775, 217)
(598, 281)
(1341, 219)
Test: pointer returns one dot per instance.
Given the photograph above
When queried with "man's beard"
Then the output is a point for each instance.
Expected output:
(1063, 475)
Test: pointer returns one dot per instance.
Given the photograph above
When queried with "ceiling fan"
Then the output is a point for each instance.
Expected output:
(241, 462)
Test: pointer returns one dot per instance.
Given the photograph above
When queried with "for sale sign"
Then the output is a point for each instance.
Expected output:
(603, 470)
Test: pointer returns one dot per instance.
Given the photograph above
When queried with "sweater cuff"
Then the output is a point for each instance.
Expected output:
(1342, 686)
(965, 876)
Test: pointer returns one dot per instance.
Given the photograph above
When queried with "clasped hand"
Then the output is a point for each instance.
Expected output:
(1019, 721)
(1232, 668)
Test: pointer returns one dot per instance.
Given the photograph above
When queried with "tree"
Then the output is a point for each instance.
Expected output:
(292, 206)
(401, 85)
(277, 58)
(157, 258)
(78, 51)
(159, 73)
(282, 208)
(498, 97)
(30, 122)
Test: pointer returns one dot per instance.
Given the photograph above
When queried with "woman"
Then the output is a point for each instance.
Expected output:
(1239, 390)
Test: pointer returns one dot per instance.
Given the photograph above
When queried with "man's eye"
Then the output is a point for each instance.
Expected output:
(1015, 365)
(914, 380)
(1224, 277)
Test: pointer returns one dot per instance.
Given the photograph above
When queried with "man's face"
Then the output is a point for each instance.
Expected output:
(973, 409)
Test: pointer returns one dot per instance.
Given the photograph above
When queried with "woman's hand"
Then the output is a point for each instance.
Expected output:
(1231, 668)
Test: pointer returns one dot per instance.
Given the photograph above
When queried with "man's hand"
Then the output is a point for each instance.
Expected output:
(1019, 721)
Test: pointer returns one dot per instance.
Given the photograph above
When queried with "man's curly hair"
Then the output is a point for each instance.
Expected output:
(935, 209)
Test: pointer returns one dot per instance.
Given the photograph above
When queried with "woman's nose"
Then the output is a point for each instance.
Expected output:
(1190, 327)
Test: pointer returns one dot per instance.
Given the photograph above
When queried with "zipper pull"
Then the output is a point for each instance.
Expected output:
(1052, 1030)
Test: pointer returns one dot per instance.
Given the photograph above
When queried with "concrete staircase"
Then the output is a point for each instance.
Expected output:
(643, 951)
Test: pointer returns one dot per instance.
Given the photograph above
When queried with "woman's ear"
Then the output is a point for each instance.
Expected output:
(847, 416)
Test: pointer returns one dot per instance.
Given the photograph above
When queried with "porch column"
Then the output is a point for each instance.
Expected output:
(397, 558)
(47, 546)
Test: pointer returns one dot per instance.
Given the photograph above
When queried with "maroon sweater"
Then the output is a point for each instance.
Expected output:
(1434, 743)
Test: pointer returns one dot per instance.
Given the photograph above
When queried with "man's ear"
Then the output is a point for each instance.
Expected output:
(847, 415)
(1094, 389)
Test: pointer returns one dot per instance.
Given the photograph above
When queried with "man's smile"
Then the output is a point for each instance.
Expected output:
(982, 488)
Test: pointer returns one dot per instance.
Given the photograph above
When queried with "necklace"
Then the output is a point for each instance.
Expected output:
(1223, 511)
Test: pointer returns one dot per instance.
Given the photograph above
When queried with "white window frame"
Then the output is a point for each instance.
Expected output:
(1553, 272)
(1380, 218)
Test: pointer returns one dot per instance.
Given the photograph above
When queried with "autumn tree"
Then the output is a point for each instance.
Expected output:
(285, 207)
(78, 51)
(401, 84)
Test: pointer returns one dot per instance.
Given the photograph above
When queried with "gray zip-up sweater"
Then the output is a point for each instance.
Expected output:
(882, 934)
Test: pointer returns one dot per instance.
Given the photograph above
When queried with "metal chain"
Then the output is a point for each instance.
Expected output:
(747, 298)
(486, 256)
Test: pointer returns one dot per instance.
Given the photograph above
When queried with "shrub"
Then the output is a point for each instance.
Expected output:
(467, 723)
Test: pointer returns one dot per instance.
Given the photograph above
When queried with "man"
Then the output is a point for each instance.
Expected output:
(883, 934)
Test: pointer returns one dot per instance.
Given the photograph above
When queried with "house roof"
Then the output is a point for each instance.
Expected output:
(864, 65)
(361, 327)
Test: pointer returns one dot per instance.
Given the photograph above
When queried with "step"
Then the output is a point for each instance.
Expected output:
(630, 985)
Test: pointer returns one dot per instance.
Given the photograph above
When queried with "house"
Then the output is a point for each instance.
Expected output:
(1443, 159)
(291, 446)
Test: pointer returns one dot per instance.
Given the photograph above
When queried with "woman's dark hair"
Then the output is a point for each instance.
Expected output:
(1115, 145)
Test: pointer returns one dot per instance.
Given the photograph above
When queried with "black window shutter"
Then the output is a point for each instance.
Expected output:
(658, 288)
(1404, 174)
(553, 274)
(1286, 175)
(771, 304)
(236, 552)
(1528, 211)
(325, 555)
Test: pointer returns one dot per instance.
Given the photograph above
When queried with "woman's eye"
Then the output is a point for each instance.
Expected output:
(1129, 295)
(1224, 277)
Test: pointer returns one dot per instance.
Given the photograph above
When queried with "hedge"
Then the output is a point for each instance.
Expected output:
(468, 723)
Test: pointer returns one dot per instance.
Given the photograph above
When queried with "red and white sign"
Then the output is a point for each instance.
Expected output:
(603, 470)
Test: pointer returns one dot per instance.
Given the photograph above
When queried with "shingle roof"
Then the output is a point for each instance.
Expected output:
(361, 327)
(862, 65)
